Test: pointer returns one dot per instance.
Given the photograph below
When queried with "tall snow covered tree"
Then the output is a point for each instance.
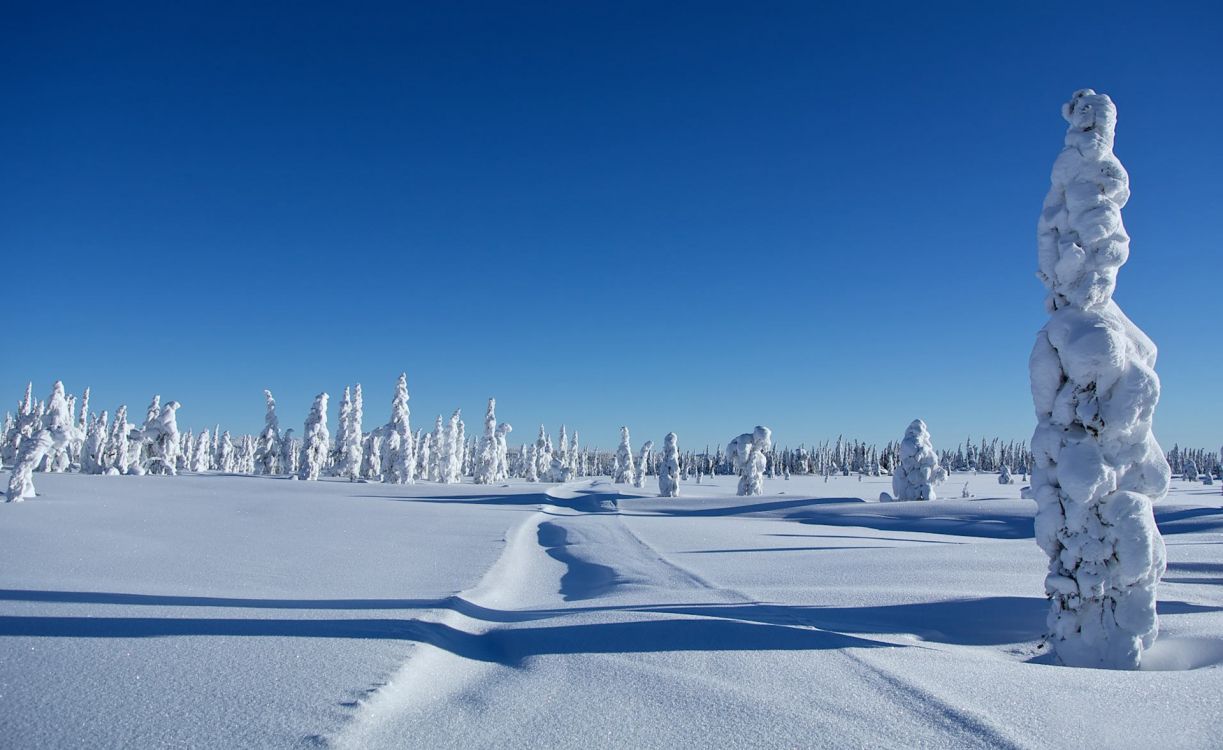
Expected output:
(623, 468)
(160, 439)
(486, 460)
(202, 458)
(502, 471)
(450, 454)
(350, 435)
(643, 463)
(317, 440)
(750, 456)
(94, 450)
(290, 453)
(55, 432)
(399, 457)
(23, 426)
(371, 457)
(668, 470)
(1097, 468)
(918, 470)
(267, 447)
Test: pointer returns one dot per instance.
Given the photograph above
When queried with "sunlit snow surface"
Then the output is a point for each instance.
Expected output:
(223, 611)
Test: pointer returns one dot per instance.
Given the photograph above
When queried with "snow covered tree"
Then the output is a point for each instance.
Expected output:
(917, 469)
(160, 438)
(290, 453)
(1004, 475)
(643, 463)
(371, 457)
(267, 448)
(1097, 467)
(55, 432)
(752, 459)
(246, 456)
(316, 441)
(350, 435)
(543, 455)
(399, 456)
(502, 471)
(202, 458)
(668, 471)
(486, 460)
(623, 468)
(1190, 472)
(23, 426)
(93, 452)
(450, 456)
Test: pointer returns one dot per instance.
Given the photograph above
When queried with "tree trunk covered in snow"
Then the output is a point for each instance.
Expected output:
(1097, 465)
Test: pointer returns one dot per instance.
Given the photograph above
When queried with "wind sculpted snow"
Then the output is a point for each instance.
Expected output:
(218, 611)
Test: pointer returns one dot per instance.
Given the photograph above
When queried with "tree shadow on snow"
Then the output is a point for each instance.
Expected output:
(504, 646)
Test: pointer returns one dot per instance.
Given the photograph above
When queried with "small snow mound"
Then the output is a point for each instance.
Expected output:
(1180, 654)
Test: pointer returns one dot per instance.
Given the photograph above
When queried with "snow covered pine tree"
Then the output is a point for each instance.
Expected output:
(1097, 465)
(917, 471)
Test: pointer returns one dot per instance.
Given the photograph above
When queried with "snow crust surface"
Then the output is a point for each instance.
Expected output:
(220, 611)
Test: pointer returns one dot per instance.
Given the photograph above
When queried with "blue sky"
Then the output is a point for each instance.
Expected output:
(676, 216)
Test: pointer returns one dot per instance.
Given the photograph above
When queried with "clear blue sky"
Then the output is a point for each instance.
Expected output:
(676, 216)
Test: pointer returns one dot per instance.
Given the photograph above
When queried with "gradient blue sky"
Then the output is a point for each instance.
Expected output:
(676, 216)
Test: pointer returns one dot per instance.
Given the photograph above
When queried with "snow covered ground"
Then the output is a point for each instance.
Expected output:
(224, 611)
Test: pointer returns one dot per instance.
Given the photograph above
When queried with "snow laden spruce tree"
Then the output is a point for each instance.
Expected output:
(267, 447)
(1097, 465)
(486, 459)
(668, 470)
(55, 431)
(350, 448)
(917, 471)
(623, 469)
(749, 456)
(399, 458)
(643, 463)
(316, 441)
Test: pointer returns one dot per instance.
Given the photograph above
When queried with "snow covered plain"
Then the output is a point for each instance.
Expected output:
(225, 611)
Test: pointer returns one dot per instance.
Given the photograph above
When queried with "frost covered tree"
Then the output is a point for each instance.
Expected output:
(399, 456)
(668, 470)
(160, 439)
(290, 454)
(23, 426)
(246, 456)
(93, 452)
(1097, 466)
(56, 431)
(486, 459)
(316, 442)
(435, 455)
(502, 471)
(115, 456)
(917, 470)
(351, 450)
(643, 462)
(202, 458)
(623, 468)
(542, 454)
(371, 457)
(751, 458)
(1004, 475)
(267, 447)
(450, 456)
(1190, 472)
